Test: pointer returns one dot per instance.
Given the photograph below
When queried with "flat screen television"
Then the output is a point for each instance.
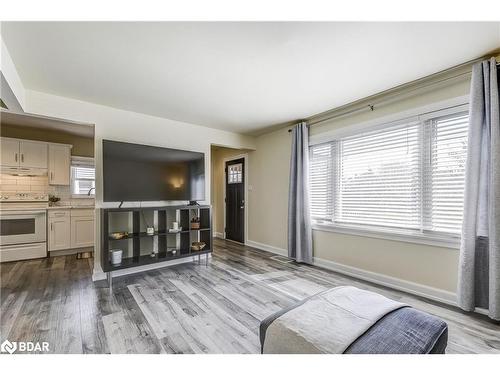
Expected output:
(134, 172)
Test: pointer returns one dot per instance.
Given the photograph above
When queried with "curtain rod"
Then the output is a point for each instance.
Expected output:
(371, 106)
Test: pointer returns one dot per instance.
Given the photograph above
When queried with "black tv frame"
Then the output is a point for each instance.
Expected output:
(158, 149)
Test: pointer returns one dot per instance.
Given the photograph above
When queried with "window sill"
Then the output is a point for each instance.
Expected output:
(392, 235)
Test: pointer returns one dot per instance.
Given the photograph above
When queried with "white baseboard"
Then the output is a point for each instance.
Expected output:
(98, 274)
(410, 287)
(269, 248)
(219, 235)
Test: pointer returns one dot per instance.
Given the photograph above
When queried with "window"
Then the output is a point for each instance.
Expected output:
(82, 177)
(235, 173)
(407, 177)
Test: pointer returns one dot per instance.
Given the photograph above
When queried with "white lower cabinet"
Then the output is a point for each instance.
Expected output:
(82, 228)
(59, 230)
(70, 229)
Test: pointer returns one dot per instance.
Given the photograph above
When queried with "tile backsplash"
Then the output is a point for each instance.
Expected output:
(39, 184)
(23, 184)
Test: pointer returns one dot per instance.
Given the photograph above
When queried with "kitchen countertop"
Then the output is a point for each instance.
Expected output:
(70, 207)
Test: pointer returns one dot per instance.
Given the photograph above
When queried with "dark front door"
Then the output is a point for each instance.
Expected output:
(235, 200)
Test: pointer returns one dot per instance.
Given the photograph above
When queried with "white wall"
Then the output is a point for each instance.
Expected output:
(120, 125)
(431, 267)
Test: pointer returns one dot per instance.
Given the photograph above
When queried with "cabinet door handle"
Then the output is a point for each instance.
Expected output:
(51, 176)
(51, 226)
(15, 157)
(22, 158)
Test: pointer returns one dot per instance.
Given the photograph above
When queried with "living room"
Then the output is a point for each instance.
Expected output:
(246, 190)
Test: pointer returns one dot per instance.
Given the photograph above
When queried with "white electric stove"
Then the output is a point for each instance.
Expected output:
(23, 226)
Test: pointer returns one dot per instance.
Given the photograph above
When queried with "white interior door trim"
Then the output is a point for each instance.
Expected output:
(224, 177)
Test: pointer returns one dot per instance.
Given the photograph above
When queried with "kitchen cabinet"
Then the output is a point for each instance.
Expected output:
(59, 164)
(23, 153)
(59, 229)
(10, 152)
(82, 228)
(32, 154)
(71, 228)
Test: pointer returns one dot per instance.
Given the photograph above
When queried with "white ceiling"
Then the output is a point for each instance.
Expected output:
(236, 76)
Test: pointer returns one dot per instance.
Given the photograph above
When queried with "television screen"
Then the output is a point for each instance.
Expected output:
(134, 172)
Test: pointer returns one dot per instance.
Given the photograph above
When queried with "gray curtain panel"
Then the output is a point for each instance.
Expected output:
(299, 218)
(479, 268)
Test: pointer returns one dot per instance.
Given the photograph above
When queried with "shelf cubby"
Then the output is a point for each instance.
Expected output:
(140, 248)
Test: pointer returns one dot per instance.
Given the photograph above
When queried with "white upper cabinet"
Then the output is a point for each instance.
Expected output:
(24, 154)
(33, 154)
(19, 153)
(59, 164)
(10, 152)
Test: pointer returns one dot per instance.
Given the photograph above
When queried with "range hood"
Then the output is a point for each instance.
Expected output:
(22, 171)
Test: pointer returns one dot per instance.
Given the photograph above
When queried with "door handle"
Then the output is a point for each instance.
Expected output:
(51, 176)
(22, 158)
(15, 156)
(51, 226)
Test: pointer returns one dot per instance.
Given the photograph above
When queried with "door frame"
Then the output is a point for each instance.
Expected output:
(245, 189)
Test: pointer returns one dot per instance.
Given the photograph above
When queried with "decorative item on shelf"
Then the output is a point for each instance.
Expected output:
(198, 246)
(150, 230)
(116, 256)
(118, 235)
(172, 250)
(53, 200)
(175, 228)
(195, 223)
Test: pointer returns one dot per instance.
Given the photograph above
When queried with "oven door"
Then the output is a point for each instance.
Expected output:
(18, 227)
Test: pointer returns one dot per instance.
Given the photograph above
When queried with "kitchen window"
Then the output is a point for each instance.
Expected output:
(405, 178)
(82, 177)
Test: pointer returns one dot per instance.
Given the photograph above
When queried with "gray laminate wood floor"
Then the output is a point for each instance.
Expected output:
(188, 308)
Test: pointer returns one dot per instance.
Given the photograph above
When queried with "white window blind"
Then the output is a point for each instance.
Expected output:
(379, 178)
(82, 176)
(321, 178)
(408, 176)
(447, 173)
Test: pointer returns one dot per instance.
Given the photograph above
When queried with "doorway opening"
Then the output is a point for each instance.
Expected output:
(229, 193)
